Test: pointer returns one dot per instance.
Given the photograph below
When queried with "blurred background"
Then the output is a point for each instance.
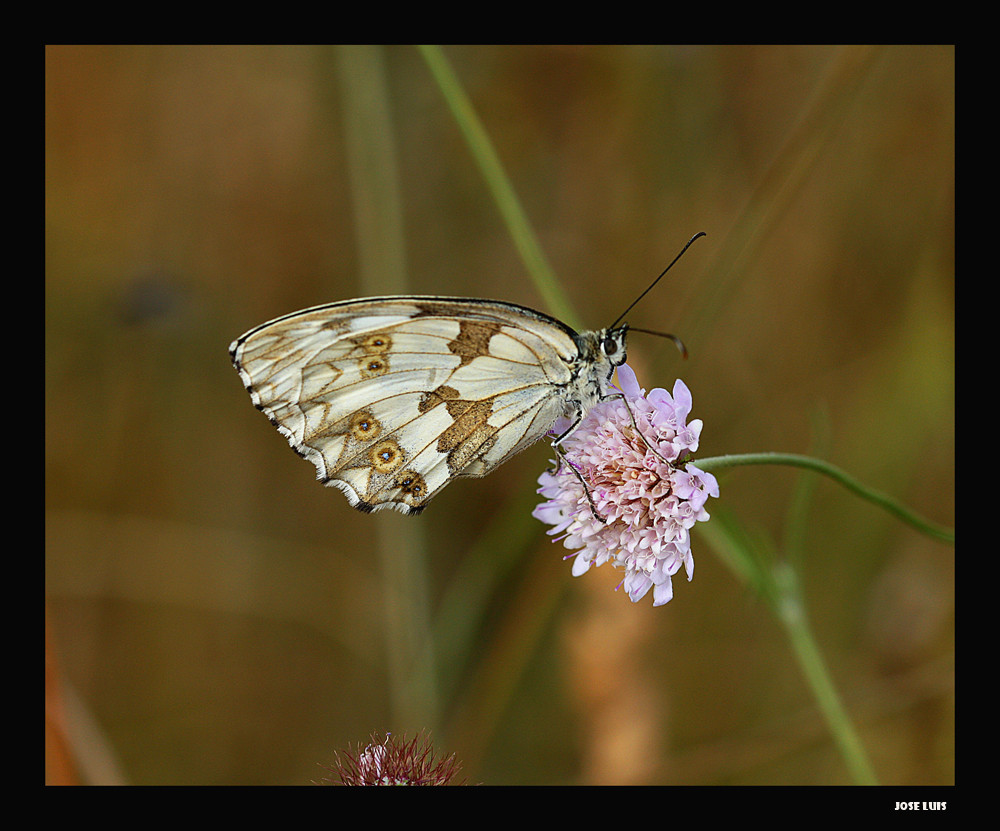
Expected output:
(215, 616)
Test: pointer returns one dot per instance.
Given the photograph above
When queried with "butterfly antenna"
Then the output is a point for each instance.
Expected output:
(657, 280)
(677, 341)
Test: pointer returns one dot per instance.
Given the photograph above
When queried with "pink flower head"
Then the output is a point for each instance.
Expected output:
(395, 761)
(630, 499)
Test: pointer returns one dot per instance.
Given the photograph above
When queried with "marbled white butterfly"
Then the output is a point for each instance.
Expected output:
(391, 398)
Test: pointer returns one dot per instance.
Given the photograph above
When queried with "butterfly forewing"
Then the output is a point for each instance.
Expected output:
(391, 398)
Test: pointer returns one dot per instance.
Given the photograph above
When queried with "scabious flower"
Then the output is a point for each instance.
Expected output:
(393, 761)
(626, 498)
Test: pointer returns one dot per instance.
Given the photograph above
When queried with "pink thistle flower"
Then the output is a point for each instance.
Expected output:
(645, 493)
(394, 761)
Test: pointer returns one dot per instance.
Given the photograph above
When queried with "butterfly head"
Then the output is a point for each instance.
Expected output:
(612, 344)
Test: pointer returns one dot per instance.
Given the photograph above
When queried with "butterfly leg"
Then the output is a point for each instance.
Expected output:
(638, 432)
(562, 458)
(557, 445)
(575, 471)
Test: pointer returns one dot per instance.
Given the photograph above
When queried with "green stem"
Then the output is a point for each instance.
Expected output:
(371, 155)
(877, 497)
(502, 190)
(790, 612)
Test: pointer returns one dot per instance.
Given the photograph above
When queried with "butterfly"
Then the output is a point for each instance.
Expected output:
(392, 398)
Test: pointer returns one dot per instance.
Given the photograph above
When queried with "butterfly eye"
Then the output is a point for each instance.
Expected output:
(613, 346)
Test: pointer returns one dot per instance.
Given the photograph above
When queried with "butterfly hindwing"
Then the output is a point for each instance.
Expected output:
(391, 398)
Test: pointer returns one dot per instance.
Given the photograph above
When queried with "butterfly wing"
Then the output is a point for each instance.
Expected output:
(391, 398)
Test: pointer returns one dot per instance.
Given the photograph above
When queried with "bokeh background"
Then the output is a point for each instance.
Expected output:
(215, 616)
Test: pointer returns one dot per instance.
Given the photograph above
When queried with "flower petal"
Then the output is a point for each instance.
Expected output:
(619, 497)
(628, 383)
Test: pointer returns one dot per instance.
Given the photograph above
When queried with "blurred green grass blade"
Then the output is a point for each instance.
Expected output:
(753, 560)
(401, 543)
(499, 185)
